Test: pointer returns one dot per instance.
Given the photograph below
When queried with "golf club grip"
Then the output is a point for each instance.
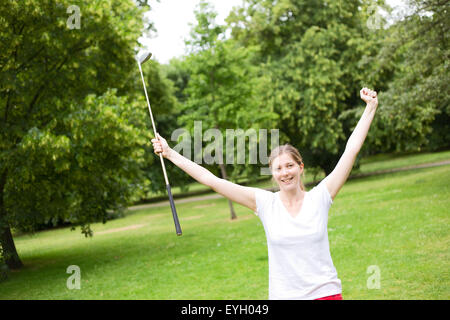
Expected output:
(174, 211)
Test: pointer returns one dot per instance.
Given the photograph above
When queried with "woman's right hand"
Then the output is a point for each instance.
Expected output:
(160, 145)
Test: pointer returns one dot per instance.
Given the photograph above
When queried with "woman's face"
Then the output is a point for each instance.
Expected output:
(286, 172)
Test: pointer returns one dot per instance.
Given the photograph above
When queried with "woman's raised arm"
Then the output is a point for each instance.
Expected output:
(240, 194)
(336, 179)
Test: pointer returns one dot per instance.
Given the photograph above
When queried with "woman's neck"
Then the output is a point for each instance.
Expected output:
(292, 196)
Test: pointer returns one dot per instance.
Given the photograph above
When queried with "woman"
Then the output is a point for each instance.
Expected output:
(294, 220)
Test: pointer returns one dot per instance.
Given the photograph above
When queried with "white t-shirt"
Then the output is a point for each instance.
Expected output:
(300, 265)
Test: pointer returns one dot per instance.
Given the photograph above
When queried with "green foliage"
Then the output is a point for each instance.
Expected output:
(177, 72)
(166, 109)
(77, 167)
(66, 150)
(224, 87)
(205, 33)
(44, 63)
(311, 52)
(415, 111)
(308, 61)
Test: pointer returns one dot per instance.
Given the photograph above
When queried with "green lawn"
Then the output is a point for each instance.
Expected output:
(397, 222)
(368, 165)
(392, 161)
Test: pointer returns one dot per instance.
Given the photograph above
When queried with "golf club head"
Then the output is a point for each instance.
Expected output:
(144, 57)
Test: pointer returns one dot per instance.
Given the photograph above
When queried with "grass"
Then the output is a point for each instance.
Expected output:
(397, 222)
(368, 165)
(393, 161)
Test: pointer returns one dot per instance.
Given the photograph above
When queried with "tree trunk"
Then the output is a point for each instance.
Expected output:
(9, 251)
(230, 203)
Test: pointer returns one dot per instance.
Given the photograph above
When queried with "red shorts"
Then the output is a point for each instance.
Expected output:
(333, 297)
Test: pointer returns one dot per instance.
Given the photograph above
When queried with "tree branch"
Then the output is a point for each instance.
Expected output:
(34, 55)
(49, 74)
(14, 32)
(7, 106)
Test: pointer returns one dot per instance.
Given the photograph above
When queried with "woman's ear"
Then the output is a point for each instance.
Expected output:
(302, 167)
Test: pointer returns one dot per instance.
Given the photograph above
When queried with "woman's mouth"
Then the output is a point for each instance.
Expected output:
(287, 180)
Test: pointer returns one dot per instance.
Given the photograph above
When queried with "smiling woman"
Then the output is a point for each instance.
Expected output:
(292, 162)
(295, 220)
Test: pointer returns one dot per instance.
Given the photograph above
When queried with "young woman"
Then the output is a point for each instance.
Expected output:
(294, 220)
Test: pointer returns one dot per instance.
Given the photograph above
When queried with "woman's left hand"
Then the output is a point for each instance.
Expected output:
(369, 97)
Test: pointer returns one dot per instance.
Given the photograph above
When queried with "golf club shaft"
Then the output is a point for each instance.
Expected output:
(169, 191)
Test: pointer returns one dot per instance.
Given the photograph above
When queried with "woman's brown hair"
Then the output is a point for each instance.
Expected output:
(293, 152)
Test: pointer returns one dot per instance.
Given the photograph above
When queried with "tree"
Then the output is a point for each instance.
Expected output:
(177, 72)
(221, 92)
(312, 52)
(166, 109)
(64, 151)
(416, 103)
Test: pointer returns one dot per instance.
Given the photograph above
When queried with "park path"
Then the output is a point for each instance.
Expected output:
(361, 175)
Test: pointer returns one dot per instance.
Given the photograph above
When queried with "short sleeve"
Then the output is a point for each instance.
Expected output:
(263, 200)
(323, 195)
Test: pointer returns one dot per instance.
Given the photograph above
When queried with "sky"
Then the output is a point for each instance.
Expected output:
(172, 18)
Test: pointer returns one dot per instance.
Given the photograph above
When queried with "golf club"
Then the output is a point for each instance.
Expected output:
(142, 59)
